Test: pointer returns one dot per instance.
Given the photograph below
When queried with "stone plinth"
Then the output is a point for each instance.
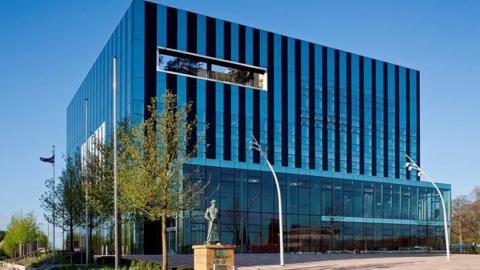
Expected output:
(205, 256)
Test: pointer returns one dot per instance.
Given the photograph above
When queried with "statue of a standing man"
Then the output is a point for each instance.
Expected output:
(211, 214)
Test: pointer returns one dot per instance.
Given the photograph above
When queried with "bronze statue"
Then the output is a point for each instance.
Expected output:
(211, 214)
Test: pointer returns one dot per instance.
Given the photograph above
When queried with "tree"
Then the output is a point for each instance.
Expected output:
(460, 207)
(100, 184)
(100, 172)
(475, 213)
(67, 202)
(98, 179)
(182, 65)
(337, 212)
(151, 160)
(466, 217)
(48, 201)
(22, 229)
(240, 76)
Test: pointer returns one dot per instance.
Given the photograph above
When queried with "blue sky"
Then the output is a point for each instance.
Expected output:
(47, 47)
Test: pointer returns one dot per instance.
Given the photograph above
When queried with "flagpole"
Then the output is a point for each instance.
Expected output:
(53, 199)
(87, 240)
(48, 235)
(115, 184)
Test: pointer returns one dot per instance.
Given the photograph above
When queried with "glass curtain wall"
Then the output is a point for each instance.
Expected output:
(320, 213)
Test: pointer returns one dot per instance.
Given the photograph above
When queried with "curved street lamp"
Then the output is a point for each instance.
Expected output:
(411, 165)
(254, 144)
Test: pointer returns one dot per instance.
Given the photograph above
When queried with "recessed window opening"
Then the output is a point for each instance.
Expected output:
(173, 61)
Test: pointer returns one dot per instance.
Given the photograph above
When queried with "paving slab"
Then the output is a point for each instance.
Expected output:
(269, 261)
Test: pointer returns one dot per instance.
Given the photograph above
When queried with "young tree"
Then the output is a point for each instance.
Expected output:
(48, 201)
(98, 179)
(151, 160)
(466, 217)
(101, 193)
(475, 214)
(460, 207)
(100, 184)
(22, 229)
(67, 203)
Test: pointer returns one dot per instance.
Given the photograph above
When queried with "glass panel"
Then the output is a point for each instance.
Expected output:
(304, 200)
(368, 200)
(338, 203)
(405, 202)
(378, 211)
(326, 197)
(292, 194)
(396, 202)
(358, 200)
(348, 199)
(387, 201)
(226, 199)
(216, 69)
(315, 198)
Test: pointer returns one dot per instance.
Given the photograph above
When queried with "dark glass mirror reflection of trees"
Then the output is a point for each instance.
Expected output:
(180, 65)
(211, 71)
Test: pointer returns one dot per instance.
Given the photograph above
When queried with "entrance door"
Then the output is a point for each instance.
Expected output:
(171, 239)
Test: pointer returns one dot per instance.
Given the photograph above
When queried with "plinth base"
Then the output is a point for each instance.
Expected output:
(206, 256)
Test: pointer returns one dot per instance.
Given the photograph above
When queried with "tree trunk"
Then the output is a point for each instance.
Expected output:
(90, 251)
(164, 243)
(71, 238)
(119, 240)
(461, 237)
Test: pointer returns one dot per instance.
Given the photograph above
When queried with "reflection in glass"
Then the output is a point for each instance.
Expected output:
(323, 215)
(214, 69)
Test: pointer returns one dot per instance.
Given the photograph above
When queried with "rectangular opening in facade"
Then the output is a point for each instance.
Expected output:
(189, 64)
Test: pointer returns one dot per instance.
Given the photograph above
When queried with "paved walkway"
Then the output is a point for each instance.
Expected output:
(337, 261)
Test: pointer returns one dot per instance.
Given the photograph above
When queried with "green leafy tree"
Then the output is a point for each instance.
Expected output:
(100, 164)
(48, 201)
(42, 237)
(2, 235)
(67, 202)
(151, 160)
(100, 182)
(99, 168)
(22, 229)
(98, 179)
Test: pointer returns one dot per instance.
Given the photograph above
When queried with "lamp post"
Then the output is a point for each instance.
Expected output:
(411, 165)
(254, 144)
(115, 183)
(54, 202)
(85, 160)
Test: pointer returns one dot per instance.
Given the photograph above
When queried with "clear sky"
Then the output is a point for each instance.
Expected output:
(47, 47)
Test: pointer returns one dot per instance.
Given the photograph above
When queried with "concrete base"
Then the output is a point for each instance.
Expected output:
(206, 257)
(12, 266)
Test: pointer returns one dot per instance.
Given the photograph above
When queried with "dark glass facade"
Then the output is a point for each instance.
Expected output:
(321, 212)
(335, 125)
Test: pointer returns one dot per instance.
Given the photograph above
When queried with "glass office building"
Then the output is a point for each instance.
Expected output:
(335, 125)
